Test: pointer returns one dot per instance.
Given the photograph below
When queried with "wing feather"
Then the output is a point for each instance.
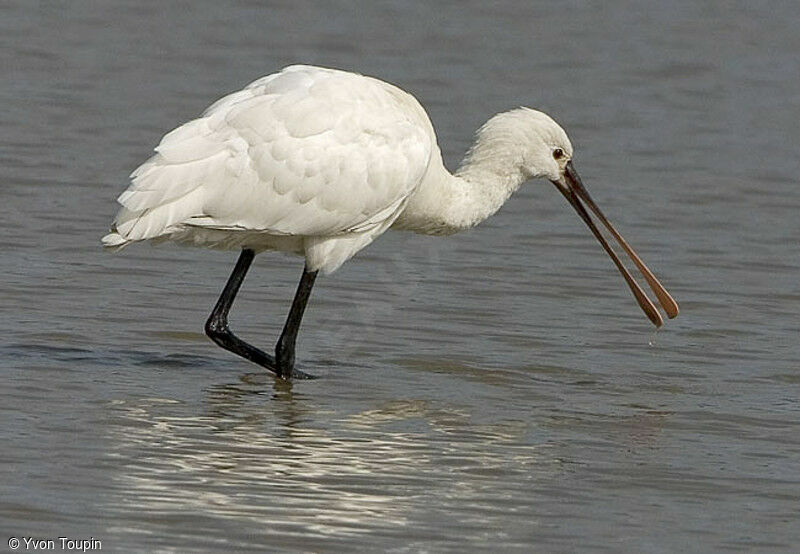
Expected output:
(306, 151)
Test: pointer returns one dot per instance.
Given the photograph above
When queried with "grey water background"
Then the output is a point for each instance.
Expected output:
(494, 391)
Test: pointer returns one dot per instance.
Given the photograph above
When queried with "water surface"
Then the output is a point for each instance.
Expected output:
(497, 390)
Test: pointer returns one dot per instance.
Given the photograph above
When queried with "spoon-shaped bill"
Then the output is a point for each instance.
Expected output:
(647, 306)
(574, 182)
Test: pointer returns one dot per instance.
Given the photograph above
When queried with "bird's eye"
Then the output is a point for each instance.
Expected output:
(558, 153)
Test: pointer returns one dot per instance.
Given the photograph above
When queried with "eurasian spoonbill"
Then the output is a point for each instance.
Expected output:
(319, 162)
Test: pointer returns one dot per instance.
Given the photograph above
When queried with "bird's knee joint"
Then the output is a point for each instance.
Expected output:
(216, 328)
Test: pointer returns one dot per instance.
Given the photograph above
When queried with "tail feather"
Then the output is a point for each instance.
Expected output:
(114, 241)
(167, 189)
(136, 225)
(158, 182)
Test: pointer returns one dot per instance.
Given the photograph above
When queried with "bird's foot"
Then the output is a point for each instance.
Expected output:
(297, 374)
(284, 361)
(287, 371)
(283, 369)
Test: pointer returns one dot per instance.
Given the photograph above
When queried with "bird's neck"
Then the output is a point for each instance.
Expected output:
(446, 203)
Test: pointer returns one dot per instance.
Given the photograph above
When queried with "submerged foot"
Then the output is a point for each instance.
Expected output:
(222, 336)
(297, 374)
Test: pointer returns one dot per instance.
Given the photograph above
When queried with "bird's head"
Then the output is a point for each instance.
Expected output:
(526, 141)
(530, 144)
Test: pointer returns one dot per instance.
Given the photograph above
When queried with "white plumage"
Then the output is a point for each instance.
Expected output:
(318, 162)
(309, 160)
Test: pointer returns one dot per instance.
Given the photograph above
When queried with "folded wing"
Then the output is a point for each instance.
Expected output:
(305, 152)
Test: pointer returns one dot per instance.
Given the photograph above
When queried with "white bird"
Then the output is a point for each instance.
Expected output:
(319, 162)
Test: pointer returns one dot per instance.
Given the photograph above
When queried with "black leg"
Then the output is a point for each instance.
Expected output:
(217, 325)
(284, 349)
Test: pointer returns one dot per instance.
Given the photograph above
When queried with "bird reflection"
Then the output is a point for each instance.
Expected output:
(241, 404)
(258, 450)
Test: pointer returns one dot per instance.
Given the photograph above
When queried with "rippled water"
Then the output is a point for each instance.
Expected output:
(498, 390)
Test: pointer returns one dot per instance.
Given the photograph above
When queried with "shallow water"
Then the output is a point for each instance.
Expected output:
(497, 390)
